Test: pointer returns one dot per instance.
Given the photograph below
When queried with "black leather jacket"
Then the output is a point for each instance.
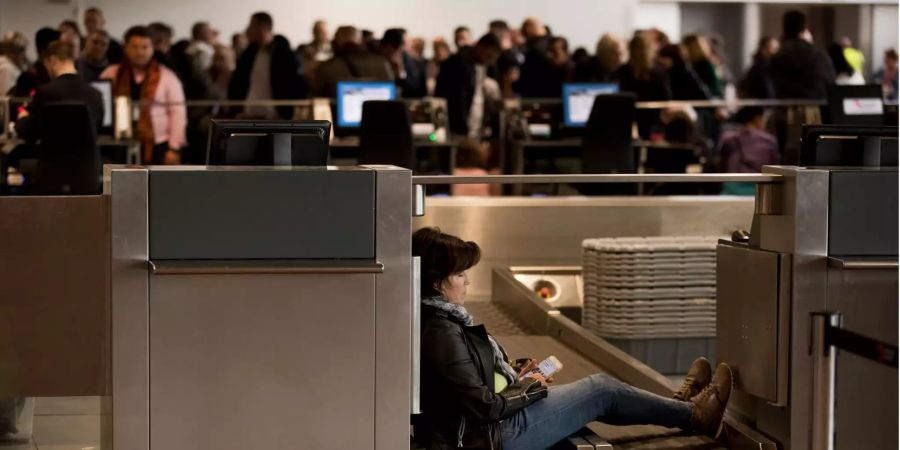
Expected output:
(460, 408)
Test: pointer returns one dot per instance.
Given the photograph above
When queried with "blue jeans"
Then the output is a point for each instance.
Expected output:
(570, 407)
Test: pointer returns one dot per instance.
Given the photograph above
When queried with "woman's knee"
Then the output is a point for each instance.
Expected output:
(602, 381)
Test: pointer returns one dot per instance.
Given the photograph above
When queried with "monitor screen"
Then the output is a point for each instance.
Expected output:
(578, 99)
(105, 88)
(268, 142)
(854, 105)
(352, 94)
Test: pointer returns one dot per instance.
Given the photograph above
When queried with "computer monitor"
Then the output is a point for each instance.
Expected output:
(268, 143)
(352, 94)
(849, 146)
(578, 99)
(105, 88)
(855, 105)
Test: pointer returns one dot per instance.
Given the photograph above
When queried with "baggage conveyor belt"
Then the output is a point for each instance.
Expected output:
(520, 342)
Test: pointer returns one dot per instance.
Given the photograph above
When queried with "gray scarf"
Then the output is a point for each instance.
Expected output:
(460, 313)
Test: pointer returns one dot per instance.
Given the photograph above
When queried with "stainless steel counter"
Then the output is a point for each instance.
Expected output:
(523, 231)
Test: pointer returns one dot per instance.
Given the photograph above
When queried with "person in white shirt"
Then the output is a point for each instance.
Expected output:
(12, 60)
(203, 42)
(267, 70)
(464, 82)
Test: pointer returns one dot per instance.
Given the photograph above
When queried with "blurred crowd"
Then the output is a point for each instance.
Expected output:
(472, 72)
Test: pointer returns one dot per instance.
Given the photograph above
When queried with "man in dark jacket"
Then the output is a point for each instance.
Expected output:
(800, 70)
(268, 69)
(351, 61)
(94, 21)
(461, 82)
(66, 86)
(93, 57)
(408, 75)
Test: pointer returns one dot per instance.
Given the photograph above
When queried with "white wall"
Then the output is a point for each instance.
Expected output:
(884, 33)
(29, 16)
(582, 21)
(723, 19)
(665, 16)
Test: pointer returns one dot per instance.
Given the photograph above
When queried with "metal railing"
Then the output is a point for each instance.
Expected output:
(639, 105)
(600, 178)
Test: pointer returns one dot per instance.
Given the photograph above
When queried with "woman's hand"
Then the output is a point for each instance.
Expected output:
(537, 376)
(172, 157)
(528, 366)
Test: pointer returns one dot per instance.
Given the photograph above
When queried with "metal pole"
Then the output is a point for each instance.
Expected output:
(823, 358)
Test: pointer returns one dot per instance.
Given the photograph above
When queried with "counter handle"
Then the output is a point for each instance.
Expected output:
(415, 338)
(264, 267)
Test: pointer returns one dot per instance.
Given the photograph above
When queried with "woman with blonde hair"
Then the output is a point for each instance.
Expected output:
(609, 56)
(699, 57)
(647, 82)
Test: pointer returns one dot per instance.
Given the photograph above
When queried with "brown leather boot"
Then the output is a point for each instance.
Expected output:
(697, 378)
(710, 403)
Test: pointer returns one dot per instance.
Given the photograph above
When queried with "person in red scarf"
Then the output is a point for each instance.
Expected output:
(157, 98)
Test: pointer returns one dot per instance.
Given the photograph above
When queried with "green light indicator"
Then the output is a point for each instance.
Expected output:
(432, 137)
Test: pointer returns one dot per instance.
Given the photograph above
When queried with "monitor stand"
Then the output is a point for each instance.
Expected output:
(281, 149)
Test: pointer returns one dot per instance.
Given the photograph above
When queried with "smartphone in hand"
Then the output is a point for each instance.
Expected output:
(547, 368)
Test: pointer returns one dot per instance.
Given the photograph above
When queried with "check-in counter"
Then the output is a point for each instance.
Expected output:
(823, 245)
(217, 308)
(534, 231)
(261, 307)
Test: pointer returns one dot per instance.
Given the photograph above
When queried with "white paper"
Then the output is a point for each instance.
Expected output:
(863, 106)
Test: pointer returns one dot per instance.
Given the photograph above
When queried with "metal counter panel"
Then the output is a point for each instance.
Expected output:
(747, 318)
(127, 413)
(865, 391)
(262, 214)
(272, 360)
(862, 213)
(392, 309)
(522, 231)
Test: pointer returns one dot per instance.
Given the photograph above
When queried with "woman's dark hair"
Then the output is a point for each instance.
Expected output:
(468, 154)
(680, 129)
(506, 62)
(442, 255)
(674, 52)
(748, 114)
(836, 52)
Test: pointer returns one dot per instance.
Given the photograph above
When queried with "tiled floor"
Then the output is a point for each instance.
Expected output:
(63, 423)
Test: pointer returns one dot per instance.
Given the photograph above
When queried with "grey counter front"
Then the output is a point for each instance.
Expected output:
(275, 308)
